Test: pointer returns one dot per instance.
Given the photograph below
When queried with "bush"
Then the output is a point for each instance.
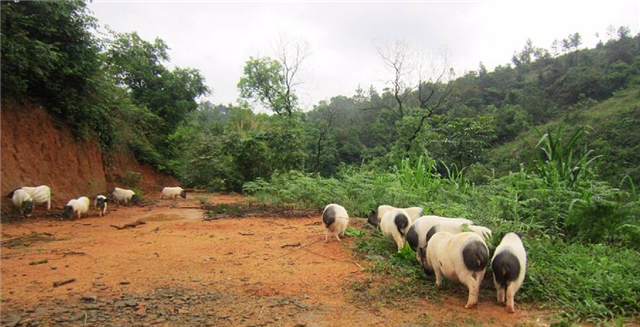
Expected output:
(593, 281)
(132, 179)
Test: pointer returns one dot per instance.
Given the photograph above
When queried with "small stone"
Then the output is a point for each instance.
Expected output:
(89, 297)
(301, 324)
(125, 282)
(91, 306)
(131, 303)
(53, 267)
(77, 316)
(13, 319)
(98, 276)
(98, 284)
(374, 257)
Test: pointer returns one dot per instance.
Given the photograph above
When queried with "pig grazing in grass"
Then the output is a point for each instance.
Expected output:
(417, 234)
(459, 257)
(509, 264)
(396, 223)
(456, 228)
(375, 216)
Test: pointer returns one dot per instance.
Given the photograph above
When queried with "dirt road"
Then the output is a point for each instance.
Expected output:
(178, 270)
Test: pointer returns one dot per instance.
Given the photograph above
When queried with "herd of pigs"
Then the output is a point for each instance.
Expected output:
(25, 198)
(453, 248)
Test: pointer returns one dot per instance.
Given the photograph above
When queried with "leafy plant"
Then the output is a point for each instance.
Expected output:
(132, 179)
(558, 162)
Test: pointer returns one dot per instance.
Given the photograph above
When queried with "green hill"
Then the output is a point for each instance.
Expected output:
(612, 132)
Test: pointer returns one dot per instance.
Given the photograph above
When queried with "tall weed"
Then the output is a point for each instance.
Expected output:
(582, 235)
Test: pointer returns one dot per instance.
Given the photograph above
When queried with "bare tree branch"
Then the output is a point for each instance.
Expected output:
(292, 53)
(428, 88)
(430, 112)
(397, 57)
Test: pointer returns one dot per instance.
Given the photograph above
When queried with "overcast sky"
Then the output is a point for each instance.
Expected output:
(218, 38)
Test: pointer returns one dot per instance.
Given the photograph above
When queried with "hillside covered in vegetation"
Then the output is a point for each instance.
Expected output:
(546, 146)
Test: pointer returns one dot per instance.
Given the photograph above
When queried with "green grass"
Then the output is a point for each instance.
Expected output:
(611, 132)
(581, 234)
(397, 276)
(204, 200)
(595, 282)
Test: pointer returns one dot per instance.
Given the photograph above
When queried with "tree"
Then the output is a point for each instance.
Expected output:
(572, 42)
(433, 91)
(624, 32)
(138, 66)
(555, 48)
(417, 82)
(264, 82)
(464, 140)
(170, 95)
(272, 82)
(49, 54)
(397, 58)
(292, 54)
(328, 115)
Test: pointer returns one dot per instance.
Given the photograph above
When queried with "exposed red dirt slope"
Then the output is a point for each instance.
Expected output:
(37, 149)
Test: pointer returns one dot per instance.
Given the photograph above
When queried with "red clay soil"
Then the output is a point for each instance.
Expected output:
(120, 164)
(249, 259)
(37, 149)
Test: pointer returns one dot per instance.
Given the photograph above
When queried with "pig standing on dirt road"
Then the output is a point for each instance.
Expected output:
(336, 220)
(173, 192)
(77, 207)
(101, 204)
(23, 201)
(125, 196)
(39, 194)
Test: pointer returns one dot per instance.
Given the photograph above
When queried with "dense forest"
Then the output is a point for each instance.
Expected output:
(117, 87)
(545, 145)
